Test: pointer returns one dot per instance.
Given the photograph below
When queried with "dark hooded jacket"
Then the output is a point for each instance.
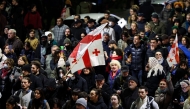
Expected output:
(99, 105)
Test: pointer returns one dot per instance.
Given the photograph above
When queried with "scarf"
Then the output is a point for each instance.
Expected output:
(4, 73)
(161, 61)
(155, 66)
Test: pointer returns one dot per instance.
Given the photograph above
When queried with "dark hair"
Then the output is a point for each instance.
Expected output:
(27, 44)
(138, 36)
(187, 41)
(125, 34)
(10, 62)
(78, 15)
(27, 78)
(32, 30)
(97, 92)
(36, 103)
(32, 6)
(13, 100)
(143, 87)
(76, 91)
(118, 97)
(36, 63)
(60, 19)
(154, 39)
(172, 37)
(83, 95)
(183, 63)
(88, 17)
(107, 12)
(56, 101)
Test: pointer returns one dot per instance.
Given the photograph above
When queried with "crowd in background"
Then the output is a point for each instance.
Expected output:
(35, 72)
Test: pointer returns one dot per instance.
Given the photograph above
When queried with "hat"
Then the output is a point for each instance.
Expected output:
(26, 67)
(100, 77)
(133, 79)
(78, 21)
(82, 101)
(141, 14)
(91, 20)
(43, 35)
(174, 27)
(104, 21)
(154, 15)
(125, 69)
(112, 42)
(111, 19)
(67, 41)
(185, 83)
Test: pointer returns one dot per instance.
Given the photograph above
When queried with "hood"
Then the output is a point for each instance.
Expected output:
(49, 32)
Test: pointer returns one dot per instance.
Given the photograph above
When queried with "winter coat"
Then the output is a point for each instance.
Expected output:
(122, 44)
(90, 79)
(32, 20)
(59, 32)
(165, 14)
(33, 42)
(159, 28)
(112, 79)
(98, 105)
(77, 32)
(120, 83)
(120, 107)
(141, 25)
(16, 43)
(128, 96)
(79, 83)
(164, 98)
(137, 54)
(151, 104)
(83, 7)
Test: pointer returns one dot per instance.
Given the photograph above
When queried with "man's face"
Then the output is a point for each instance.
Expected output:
(158, 55)
(106, 16)
(106, 37)
(136, 40)
(85, 20)
(14, 2)
(153, 43)
(11, 34)
(188, 18)
(155, 20)
(67, 32)
(140, 18)
(142, 34)
(125, 74)
(76, 18)
(171, 41)
(25, 73)
(59, 22)
(142, 93)
(90, 24)
(25, 84)
(100, 82)
(34, 69)
(132, 84)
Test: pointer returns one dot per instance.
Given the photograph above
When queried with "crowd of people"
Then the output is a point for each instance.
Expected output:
(35, 71)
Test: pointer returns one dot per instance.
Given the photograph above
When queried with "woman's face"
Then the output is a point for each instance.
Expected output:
(114, 100)
(131, 12)
(6, 50)
(37, 94)
(174, 31)
(133, 17)
(49, 37)
(32, 34)
(114, 67)
(133, 26)
(158, 55)
(74, 97)
(93, 96)
(9, 106)
(183, 41)
(20, 61)
(86, 71)
(34, 9)
(163, 85)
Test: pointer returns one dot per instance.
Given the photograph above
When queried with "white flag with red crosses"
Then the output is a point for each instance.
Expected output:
(89, 51)
(173, 56)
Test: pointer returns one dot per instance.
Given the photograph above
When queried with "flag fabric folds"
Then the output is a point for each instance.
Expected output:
(88, 52)
(173, 56)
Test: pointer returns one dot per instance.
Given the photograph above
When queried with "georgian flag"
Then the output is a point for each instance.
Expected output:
(89, 51)
(173, 56)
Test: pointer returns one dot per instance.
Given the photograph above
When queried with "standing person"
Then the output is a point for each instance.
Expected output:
(39, 101)
(59, 29)
(155, 74)
(115, 102)
(32, 39)
(14, 41)
(25, 94)
(144, 101)
(96, 101)
(77, 29)
(32, 20)
(83, 7)
(137, 52)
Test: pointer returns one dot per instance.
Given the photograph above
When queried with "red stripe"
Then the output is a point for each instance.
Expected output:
(86, 59)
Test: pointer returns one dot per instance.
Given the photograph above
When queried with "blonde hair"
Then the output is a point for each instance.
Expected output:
(115, 62)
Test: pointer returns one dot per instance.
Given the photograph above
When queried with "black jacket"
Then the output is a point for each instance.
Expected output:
(120, 83)
(99, 105)
(77, 32)
(35, 83)
(128, 96)
(137, 54)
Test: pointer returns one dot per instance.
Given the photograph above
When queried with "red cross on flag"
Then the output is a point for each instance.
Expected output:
(173, 56)
(88, 52)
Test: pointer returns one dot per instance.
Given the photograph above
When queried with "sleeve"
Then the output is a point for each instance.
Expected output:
(155, 105)
(26, 20)
(163, 29)
(85, 88)
(170, 87)
(39, 21)
(38, 83)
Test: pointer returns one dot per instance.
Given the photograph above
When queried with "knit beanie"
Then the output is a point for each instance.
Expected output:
(82, 101)
(67, 41)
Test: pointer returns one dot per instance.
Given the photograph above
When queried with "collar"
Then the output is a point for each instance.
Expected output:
(143, 100)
